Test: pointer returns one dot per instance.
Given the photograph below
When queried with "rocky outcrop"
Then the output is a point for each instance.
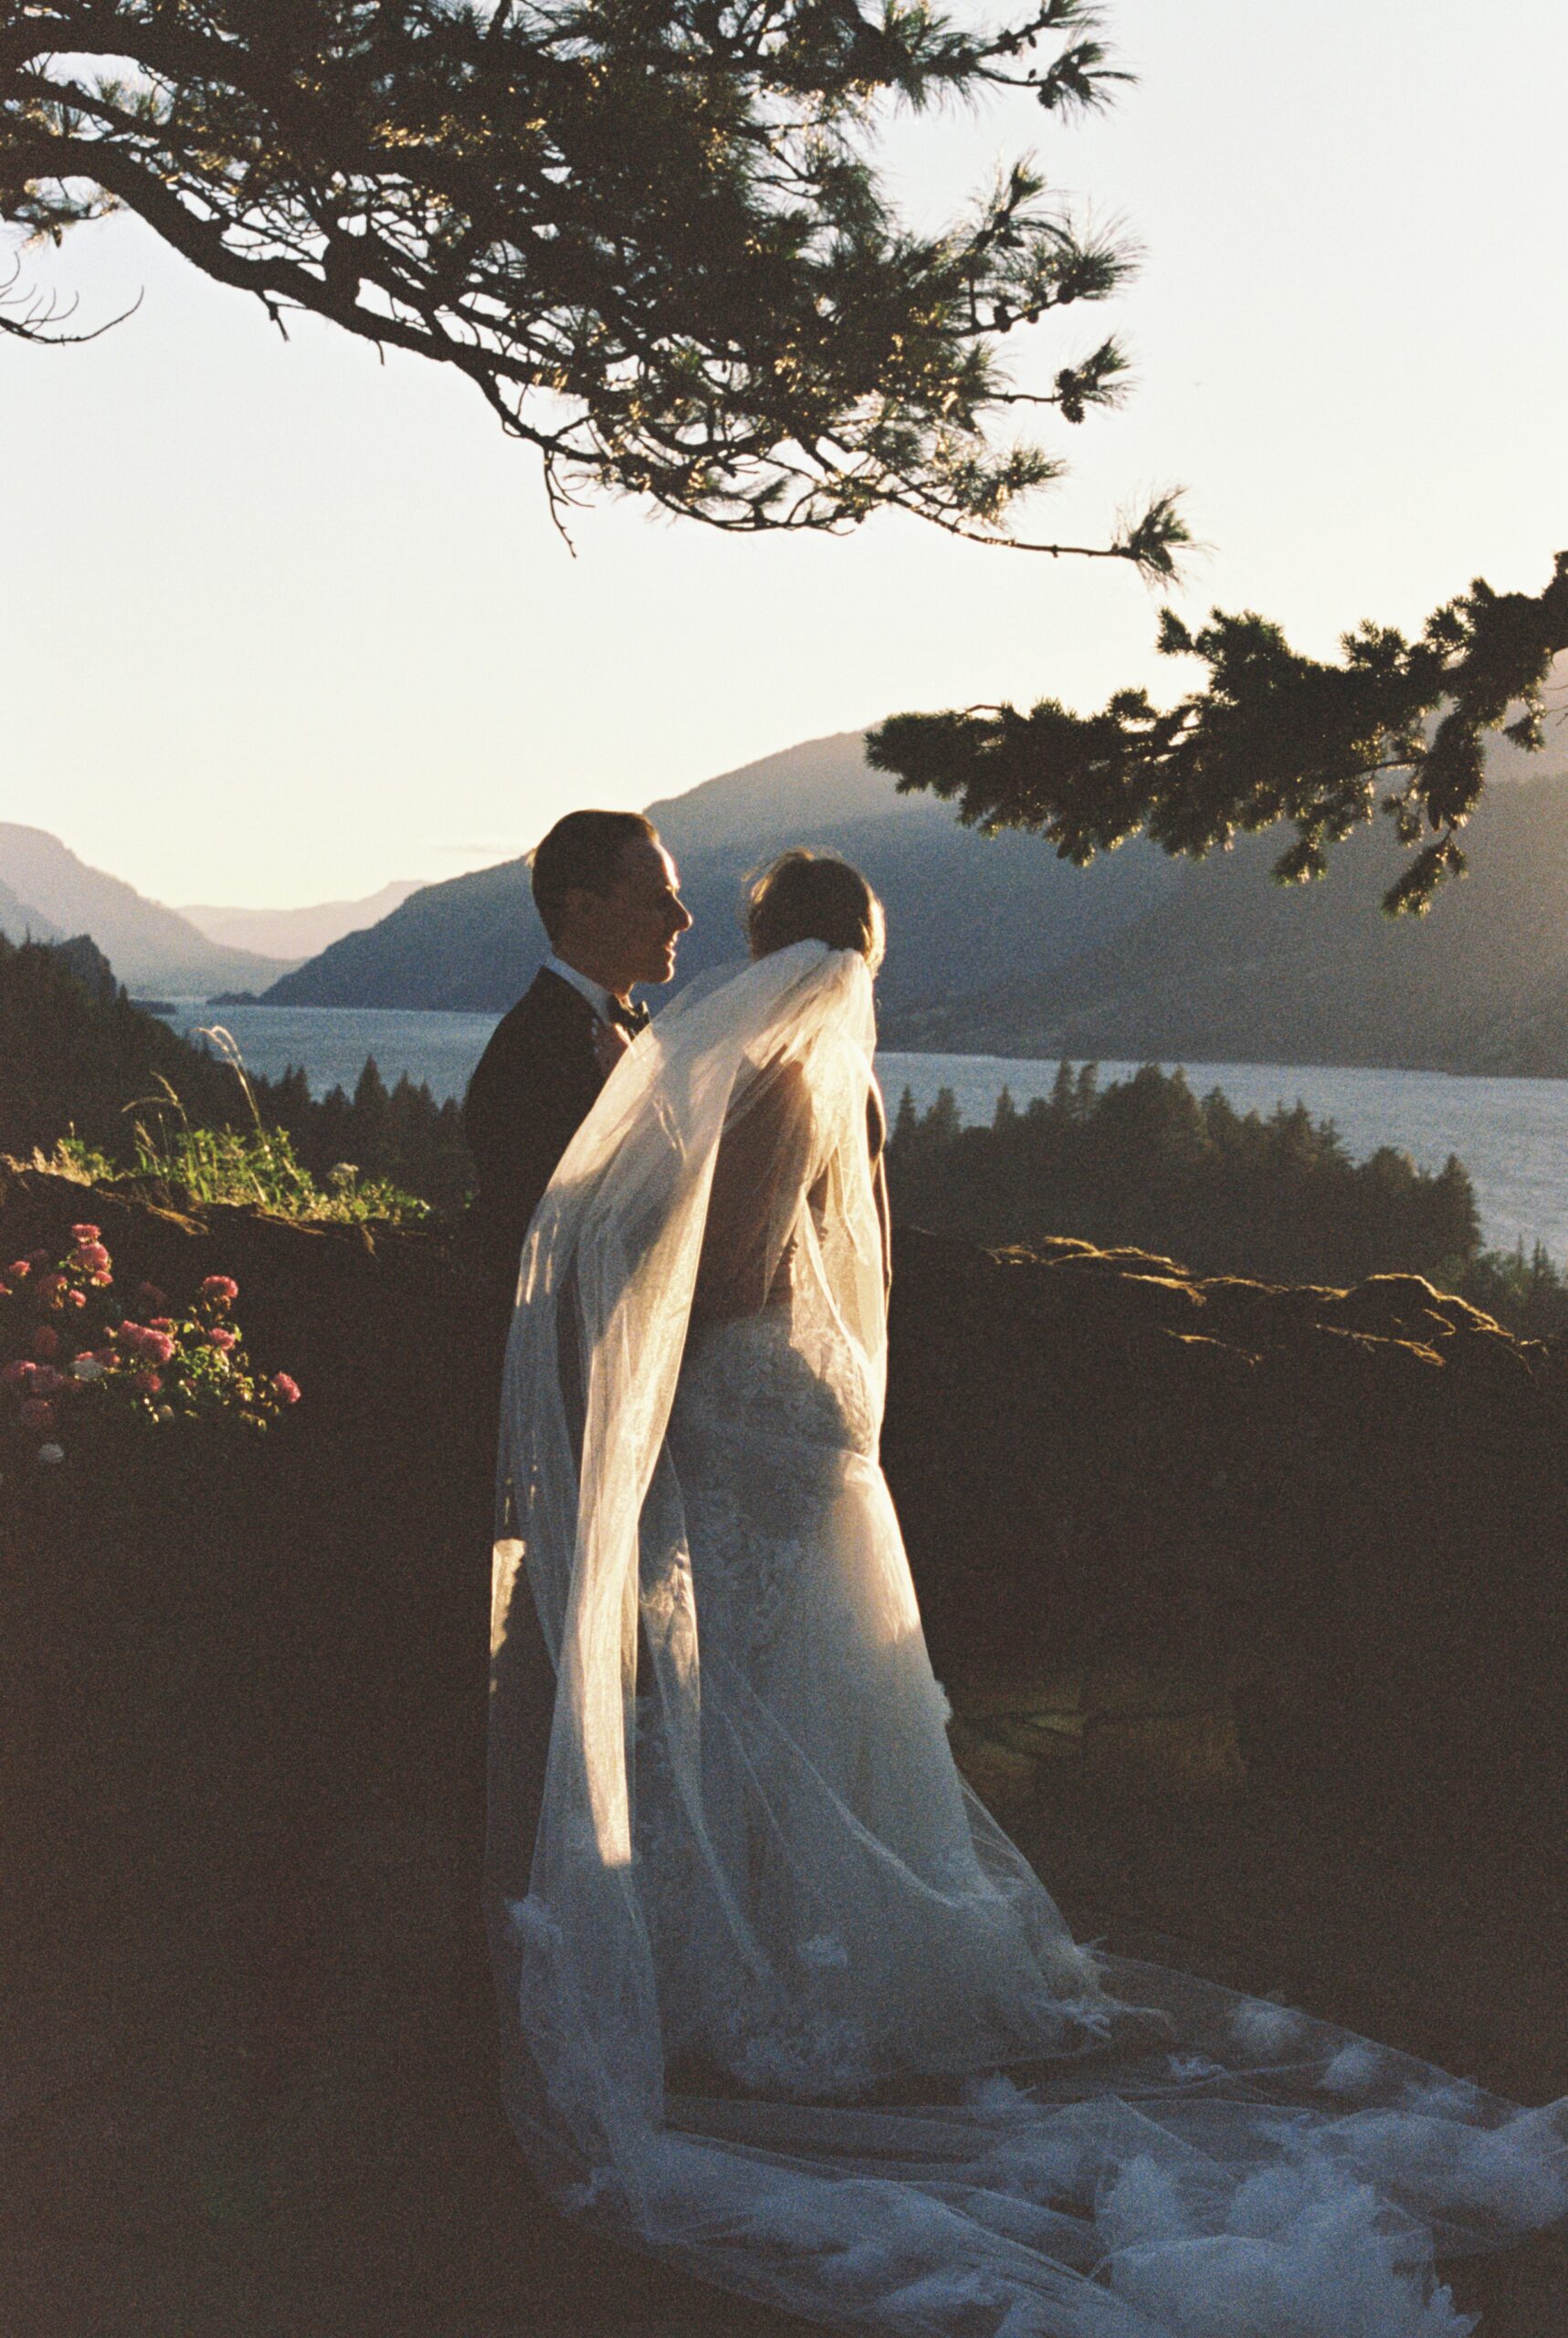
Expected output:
(1340, 1513)
(1163, 1528)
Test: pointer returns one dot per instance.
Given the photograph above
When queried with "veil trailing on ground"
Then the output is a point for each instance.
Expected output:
(779, 2000)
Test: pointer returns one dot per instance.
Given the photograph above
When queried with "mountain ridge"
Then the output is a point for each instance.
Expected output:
(998, 947)
(962, 908)
(1232, 968)
(297, 934)
(152, 948)
(20, 922)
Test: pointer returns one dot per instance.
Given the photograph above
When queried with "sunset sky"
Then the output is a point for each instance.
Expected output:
(280, 622)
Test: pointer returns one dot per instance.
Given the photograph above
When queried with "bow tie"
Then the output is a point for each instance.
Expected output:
(632, 1018)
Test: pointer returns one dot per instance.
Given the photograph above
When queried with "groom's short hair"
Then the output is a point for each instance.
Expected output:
(582, 853)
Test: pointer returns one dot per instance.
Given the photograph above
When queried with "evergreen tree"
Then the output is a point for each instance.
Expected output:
(331, 1139)
(942, 1123)
(1273, 737)
(370, 1117)
(77, 1059)
(655, 238)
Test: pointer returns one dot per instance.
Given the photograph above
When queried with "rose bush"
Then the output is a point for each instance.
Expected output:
(72, 1359)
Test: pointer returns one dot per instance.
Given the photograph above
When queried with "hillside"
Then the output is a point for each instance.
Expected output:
(997, 947)
(301, 932)
(151, 949)
(965, 913)
(74, 1053)
(19, 921)
(1229, 967)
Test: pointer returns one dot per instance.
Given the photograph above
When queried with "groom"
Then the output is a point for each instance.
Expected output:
(608, 899)
(607, 896)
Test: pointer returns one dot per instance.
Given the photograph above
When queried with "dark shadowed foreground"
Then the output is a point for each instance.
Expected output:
(1259, 1652)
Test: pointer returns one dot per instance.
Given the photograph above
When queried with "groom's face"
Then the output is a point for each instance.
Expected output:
(642, 917)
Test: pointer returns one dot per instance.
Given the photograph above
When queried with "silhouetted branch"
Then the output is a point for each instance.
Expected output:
(1273, 737)
(652, 238)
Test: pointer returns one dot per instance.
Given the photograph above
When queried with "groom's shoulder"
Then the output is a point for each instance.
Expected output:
(546, 1006)
(549, 1015)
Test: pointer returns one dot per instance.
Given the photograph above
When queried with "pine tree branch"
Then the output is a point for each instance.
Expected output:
(1274, 737)
(654, 239)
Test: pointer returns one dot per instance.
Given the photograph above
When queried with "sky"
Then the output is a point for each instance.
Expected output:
(280, 621)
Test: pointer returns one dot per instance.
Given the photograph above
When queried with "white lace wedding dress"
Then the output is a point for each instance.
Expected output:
(780, 2000)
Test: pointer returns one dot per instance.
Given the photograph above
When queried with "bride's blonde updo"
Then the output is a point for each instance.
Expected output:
(806, 896)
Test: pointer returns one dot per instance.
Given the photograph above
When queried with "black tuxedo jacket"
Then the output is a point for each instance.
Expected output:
(530, 1092)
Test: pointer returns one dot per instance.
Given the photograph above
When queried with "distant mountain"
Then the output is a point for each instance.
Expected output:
(19, 921)
(998, 947)
(298, 933)
(150, 948)
(964, 912)
(1230, 968)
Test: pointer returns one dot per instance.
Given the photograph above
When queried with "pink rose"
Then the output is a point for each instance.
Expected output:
(90, 1259)
(46, 1341)
(221, 1337)
(286, 1390)
(220, 1289)
(162, 1322)
(102, 1280)
(86, 1233)
(18, 1269)
(151, 1346)
(149, 1383)
(18, 1374)
(37, 1415)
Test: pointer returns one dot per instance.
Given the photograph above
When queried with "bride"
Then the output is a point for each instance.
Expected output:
(780, 2001)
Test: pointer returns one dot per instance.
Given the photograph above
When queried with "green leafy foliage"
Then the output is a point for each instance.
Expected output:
(1272, 737)
(653, 236)
(1145, 1163)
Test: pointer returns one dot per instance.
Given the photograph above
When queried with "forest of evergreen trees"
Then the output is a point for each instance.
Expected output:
(1145, 1162)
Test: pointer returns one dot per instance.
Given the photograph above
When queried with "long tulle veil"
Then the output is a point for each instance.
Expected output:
(1211, 2167)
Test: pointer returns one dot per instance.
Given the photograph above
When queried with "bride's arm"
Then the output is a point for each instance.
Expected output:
(877, 1139)
(758, 1177)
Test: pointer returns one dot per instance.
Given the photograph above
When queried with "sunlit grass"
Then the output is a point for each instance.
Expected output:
(258, 1167)
(255, 1166)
